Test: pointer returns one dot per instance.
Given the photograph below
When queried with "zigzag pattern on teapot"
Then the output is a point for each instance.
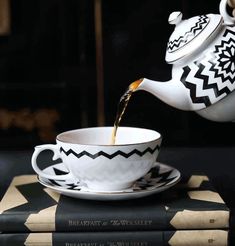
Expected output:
(213, 77)
(189, 35)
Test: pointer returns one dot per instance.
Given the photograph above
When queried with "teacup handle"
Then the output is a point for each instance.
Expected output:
(155, 164)
(229, 20)
(38, 149)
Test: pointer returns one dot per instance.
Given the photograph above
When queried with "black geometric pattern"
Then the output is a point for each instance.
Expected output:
(206, 84)
(158, 176)
(154, 178)
(188, 36)
(37, 199)
(220, 64)
(110, 156)
(68, 185)
(159, 209)
(224, 64)
(193, 87)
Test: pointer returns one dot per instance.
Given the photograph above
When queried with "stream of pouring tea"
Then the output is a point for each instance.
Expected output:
(122, 107)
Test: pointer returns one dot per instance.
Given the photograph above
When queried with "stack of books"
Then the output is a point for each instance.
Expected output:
(190, 213)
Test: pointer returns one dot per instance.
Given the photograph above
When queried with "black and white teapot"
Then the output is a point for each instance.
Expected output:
(202, 51)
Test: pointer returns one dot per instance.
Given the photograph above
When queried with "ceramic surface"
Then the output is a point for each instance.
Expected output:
(202, 51)
(158, 179)
(91, 159)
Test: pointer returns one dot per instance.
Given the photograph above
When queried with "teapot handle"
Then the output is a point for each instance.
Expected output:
(229, 20)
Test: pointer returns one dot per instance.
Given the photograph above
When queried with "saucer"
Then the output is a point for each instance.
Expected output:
(158, 179)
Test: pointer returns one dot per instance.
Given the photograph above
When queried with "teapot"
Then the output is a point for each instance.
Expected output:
(202, 53)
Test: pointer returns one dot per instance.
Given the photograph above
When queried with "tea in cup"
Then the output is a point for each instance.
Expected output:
(99, 166)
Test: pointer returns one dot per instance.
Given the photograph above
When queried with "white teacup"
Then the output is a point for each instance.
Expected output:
(96, 164)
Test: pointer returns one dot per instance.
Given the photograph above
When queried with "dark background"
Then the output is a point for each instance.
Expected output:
(48, 80)
(48, 83)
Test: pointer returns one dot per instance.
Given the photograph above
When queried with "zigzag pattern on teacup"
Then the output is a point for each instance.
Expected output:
(110, 156)
(212, 77)
(182, 40)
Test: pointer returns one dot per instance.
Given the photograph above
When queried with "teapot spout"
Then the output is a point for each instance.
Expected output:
(171, 92)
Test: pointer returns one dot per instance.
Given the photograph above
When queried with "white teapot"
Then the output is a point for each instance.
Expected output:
(202, 51)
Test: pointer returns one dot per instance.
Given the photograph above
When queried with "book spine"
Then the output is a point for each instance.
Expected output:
(117, 223)
(189, 219)
(140, 238)
(61, 223)
(13, 222)
(181, 220)
(196, 238)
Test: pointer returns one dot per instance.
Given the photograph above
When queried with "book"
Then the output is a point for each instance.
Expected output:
(130, 238)
(27, 206)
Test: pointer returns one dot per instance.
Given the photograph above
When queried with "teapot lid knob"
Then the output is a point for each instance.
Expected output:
(175, 18)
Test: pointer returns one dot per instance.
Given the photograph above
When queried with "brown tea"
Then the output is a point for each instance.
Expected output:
(122, 107)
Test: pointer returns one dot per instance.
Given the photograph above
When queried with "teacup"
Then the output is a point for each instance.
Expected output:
(96, 164)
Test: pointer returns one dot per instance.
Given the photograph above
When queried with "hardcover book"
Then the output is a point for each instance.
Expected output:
(136, 238)
(27, 206)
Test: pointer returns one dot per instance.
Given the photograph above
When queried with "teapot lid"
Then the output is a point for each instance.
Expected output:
(190, 34)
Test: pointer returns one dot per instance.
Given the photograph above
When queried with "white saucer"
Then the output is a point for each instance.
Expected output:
(158, 179)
